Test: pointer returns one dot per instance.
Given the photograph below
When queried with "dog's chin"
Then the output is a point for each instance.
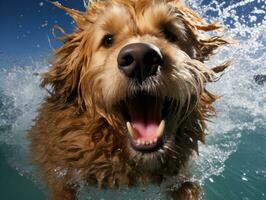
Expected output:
(148, 119)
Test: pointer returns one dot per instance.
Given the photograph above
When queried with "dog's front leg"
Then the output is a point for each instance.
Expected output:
(62, 192)
(187, 191)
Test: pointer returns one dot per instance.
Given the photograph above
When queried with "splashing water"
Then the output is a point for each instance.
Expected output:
(86, 3)
(241, 120)
(233, 164)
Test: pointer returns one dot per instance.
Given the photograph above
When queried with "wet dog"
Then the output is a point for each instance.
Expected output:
(127, 101)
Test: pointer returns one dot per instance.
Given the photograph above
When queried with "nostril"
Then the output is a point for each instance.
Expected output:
(152, 59)
(139, 60)
(126, 60)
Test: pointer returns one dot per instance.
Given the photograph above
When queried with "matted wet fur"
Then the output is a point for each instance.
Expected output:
(80, 134)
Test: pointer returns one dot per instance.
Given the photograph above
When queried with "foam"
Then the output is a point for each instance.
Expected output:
(242, 105)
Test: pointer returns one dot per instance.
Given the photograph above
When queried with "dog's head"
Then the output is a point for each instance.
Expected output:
(138, 64)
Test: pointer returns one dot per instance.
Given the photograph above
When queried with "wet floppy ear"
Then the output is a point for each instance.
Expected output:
(204, 46)
(63, 78)
(193, 18)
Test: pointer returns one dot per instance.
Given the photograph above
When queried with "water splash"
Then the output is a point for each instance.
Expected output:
(243, 103)
(20, 96)
(86, 3)
(241, 110)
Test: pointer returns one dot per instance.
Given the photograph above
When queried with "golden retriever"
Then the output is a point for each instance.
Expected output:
(127, 99)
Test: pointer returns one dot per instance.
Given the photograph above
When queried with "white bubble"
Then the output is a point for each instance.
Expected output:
(44, 24)
(253, 18)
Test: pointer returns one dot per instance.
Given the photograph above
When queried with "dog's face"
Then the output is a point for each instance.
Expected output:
(138, 62)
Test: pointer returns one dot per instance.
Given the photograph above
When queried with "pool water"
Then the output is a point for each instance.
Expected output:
(13, 184)
(231, 166)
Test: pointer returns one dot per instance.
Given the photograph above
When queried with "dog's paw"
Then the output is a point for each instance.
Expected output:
(187, 191)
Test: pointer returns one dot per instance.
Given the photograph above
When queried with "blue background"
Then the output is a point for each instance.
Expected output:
(27, 25)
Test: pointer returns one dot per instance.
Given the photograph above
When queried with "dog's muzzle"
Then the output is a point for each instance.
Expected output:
(143, 111)
(139, 60)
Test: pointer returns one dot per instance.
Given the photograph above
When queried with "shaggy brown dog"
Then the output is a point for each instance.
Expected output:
(127, 101)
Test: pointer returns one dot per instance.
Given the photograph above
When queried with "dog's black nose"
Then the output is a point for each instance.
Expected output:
(139, 60)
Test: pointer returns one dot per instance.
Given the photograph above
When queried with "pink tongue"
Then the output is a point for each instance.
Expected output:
(145, 115)
(145, 121)
(146, 131)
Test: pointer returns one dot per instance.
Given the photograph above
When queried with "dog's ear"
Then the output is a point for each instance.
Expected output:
(62, 80)
(204, 46)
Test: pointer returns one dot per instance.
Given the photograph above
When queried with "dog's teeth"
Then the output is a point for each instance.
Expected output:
(160, 130)
(138, 142)
(131, 130)
(143, 142)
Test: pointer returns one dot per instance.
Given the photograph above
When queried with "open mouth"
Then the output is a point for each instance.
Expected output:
(146, 118)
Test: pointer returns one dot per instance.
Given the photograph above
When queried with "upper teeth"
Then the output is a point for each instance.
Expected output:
(160, 130)
(131, 131)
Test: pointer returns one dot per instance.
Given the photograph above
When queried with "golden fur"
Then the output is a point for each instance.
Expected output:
(79, 135)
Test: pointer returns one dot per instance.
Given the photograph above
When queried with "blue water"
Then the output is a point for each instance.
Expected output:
(233, 163)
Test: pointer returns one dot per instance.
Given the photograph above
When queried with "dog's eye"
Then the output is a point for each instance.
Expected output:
(108, 40)
(170, 36)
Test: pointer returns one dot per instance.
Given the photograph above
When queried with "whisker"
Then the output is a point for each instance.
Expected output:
(170, 149)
